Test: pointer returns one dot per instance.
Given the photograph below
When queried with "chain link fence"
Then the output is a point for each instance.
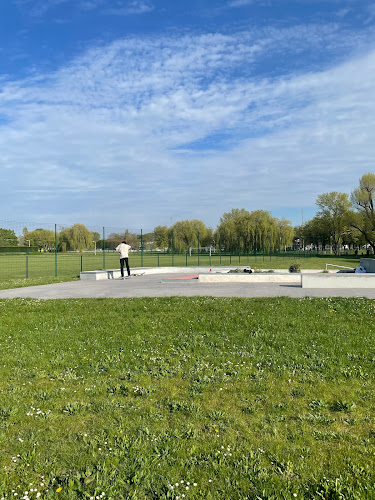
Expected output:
(34, 250)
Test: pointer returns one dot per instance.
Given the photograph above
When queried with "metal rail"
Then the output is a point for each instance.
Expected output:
(342, 267)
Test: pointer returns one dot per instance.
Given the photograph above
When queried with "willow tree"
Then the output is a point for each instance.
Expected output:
(363, 201)
(285, 232)
(76, 238)
(188, 233)
(265, 228)
(246, 231)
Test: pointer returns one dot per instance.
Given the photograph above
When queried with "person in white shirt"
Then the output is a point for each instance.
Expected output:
(123, 250)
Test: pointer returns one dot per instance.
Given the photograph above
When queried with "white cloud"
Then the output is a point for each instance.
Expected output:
(132, 7)
(38, 8)
(185, 124)
(239, 3)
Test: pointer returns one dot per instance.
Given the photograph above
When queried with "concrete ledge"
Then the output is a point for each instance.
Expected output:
(368, 264)
(338, 280)
(108, 274)
(115, 273)
(250, 278)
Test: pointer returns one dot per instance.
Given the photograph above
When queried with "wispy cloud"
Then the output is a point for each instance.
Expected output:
(132, 7)
(239, 3)
(39, 8)
(370, 11)
(162, 121)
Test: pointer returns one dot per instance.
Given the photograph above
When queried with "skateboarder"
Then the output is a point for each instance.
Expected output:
(123, 250)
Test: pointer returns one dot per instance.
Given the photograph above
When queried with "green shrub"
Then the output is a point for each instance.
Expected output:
(294, 268)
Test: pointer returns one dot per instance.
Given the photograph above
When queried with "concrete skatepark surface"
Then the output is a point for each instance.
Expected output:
(163, 285)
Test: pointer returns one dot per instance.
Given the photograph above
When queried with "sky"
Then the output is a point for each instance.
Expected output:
(139, 113)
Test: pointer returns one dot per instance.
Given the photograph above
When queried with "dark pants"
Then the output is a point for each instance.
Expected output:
(126, 261)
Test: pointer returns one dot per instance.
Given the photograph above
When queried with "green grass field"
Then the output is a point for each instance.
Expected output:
(70, 264)
(194, 398)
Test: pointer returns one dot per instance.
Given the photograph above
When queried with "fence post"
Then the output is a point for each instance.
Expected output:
(198, 248)
(103, 248)
(158, 259)
(269, 237)
(172, 250)
(186, 259)
(255, 246)
(141, 248)
(239, 248)
(27, 266)
(55, 251)
(81, 263)
(220, 246)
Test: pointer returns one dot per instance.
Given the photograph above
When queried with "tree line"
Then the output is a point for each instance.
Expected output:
(341, 219)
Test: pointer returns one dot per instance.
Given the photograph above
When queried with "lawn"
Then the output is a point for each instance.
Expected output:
(194, 398)
(69, 265)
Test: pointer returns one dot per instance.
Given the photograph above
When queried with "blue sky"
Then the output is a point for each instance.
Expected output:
(135, 113)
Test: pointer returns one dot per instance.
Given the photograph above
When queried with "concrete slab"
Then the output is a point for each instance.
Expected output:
(154, 285)
(338, 281)
(368, 264)
(250, 278)
(115, 273)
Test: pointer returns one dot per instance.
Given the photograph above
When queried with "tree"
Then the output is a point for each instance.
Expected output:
(314, 232)
(96, 236)
(8, 238)
(41, 238)
(76, 238)
(363, 201)
(148, 241)
(334, 215)
(161, 237)
(132, 239)
(187, 232)
(245, 231)
(285, 231)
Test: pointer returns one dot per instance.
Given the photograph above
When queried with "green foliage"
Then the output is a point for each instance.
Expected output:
(333, 217)
(187, 232)
(240, 229)
(76, 238)
(161, 237)
(203, 397)
(8, 238)
(295, 268)
(363, 199)
(41, 238)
